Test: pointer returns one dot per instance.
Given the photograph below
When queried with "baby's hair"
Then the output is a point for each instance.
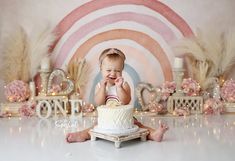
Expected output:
(111, 53)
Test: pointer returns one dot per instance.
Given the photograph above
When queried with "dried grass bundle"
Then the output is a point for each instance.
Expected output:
(39, 43)
(22, 53)
(78, 71)
(15, 57)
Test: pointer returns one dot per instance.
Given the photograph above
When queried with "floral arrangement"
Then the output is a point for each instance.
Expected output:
(213, 106)
(228, 91)
(88, 108)
(181, 112)
(167, 89)
(55, 88)
(17, 91)
(156, 107)
(190, 87)
(27, 109)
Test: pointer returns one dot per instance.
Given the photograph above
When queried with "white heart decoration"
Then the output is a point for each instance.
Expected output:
(146, 94)
(61, 74)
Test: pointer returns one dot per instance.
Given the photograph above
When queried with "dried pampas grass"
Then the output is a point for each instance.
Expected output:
(39, 43)
(14, 56)
(228, 52)
(78, 71)
(22, 53)
(210, 54)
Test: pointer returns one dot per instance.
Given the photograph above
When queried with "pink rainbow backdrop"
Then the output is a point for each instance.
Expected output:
(144, 33)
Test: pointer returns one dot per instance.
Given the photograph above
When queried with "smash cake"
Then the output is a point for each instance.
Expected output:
(114, 118)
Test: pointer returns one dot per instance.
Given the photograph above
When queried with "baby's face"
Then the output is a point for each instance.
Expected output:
(111, 69)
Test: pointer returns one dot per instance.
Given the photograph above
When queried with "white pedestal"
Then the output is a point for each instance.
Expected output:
(117, 139)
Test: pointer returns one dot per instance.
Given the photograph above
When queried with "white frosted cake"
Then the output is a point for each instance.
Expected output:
(115, 120)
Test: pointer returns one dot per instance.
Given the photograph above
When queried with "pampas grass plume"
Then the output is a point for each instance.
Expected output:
(22, 53)
(211, 54)
(14, 56)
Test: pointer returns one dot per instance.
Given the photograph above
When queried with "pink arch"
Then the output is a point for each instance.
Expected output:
(153, 23)
(145, 41)
(91, 6)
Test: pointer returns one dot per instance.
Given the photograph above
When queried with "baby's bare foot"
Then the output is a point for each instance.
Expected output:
(80, 136)
(157, 135)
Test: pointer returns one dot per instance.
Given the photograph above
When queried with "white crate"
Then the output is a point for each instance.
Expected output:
(12, 108)
(229, 107)
(193, 103)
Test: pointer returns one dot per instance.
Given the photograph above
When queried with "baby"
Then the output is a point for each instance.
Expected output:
(113, 88)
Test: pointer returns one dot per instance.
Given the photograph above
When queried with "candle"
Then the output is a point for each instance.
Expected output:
(178, 63)
(32, 89)
(45, 63)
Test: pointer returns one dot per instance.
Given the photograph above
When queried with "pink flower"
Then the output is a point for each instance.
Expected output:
(228, 91)
(183, 111)
(167, 89)
(190, 87)
(156, 107)
(27, 109)
(88, 108)
(55, 88)
(17, 91)
(212, 106)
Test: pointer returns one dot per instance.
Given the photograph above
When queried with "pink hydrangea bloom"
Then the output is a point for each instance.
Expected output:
(167, 89)
(88, 108)
(55, 88)
(213, 106)
(17, 91)
(27, 109)
(228, 91)
(190, 87)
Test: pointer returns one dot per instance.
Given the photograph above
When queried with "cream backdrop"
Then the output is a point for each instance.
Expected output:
(104, 23)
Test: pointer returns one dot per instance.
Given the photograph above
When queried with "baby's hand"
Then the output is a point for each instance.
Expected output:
(104, 82)
(119, 81)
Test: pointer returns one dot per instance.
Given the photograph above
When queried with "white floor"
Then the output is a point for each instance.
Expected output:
(195, 138)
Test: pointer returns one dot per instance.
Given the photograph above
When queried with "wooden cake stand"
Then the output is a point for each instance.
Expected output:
(118, 139)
